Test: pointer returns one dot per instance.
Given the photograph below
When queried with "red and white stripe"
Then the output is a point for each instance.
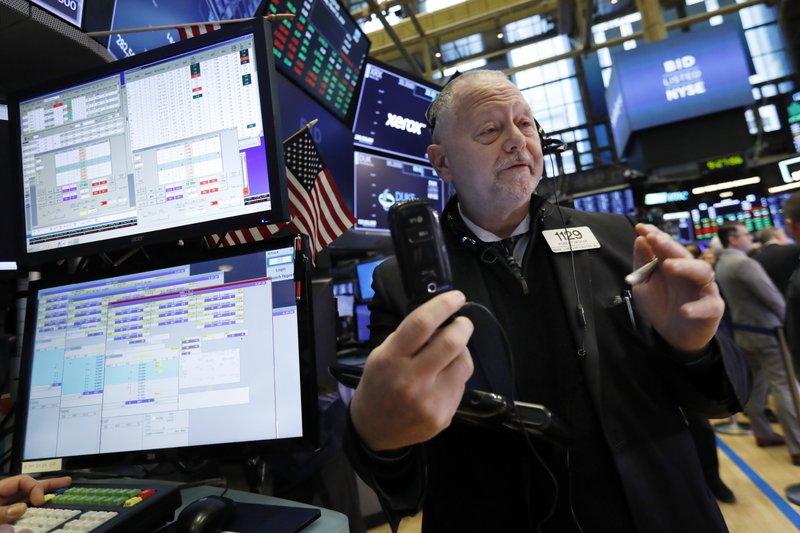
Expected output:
(193, 30)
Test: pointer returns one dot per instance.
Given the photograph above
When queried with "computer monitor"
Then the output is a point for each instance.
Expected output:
(751, 209)
(619, 201)
(362, 323)
(793, 115)
(9, 252)
(390, 115)
(322, 49)
(775, 203)
(130, 14)
(174, 143)
(679, 225)
(381, 181)
(364, 271)
(68, 10)
(194, 360)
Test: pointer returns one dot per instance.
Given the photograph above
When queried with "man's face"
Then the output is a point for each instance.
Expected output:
(741, 240)
(489, 148)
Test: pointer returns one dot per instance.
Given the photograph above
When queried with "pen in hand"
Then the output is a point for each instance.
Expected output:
(642, 273)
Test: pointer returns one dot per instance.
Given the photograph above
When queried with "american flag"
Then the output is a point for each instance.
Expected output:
(193, 30)
(316, 206)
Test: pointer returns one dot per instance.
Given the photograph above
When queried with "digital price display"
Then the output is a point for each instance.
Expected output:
(619, 202)
(321, 49)
(752, 211)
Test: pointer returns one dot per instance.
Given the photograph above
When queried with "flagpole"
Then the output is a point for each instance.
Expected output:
(301, 130)
(270, 18)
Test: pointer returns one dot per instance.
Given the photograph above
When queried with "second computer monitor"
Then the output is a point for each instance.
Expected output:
(382, 181)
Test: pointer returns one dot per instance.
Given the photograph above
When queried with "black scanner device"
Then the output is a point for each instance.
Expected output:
(209, 514)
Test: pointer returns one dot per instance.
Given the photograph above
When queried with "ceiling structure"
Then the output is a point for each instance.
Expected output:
(413, 42)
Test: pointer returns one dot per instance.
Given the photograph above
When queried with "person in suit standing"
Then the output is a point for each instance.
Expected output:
(791, 215)
(754, 301)
(616, 371)
(778, 256)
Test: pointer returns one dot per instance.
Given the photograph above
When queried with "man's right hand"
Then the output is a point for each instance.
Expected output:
(413, 382)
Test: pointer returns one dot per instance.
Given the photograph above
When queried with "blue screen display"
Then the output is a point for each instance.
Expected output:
(687, 75)
(619, 202)
(391, 113)
(382, 181)
(143, 13)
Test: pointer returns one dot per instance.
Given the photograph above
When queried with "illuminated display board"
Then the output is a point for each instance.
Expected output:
(793, 111)
(752, 211)
(790, 169)
(665, 197)
(687, 75)
(322, 49)
(390, 115)
(619, 201)
(144, 13)
(69, 10)
(382, 181)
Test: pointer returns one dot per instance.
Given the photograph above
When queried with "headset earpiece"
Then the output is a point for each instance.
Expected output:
(550, 145)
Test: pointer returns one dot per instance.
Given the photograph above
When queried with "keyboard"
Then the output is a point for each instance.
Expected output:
(101, 508)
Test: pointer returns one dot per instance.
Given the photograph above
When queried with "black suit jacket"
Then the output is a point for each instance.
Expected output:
(636, 385)
(779, 261)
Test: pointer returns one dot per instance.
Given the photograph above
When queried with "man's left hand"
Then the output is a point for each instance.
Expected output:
(680, 298)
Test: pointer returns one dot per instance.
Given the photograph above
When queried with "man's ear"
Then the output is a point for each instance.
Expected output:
(438, 158)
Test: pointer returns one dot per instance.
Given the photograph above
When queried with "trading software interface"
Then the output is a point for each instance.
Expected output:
(197, 354)
(168, 144)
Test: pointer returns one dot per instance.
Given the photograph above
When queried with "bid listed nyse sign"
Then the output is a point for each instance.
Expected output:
(682, 78)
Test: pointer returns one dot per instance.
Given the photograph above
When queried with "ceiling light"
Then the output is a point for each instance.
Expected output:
(727, 185)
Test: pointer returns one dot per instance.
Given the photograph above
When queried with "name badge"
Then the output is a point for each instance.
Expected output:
(580, 238)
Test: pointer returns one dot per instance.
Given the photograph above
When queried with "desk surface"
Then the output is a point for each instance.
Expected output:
(329, 522)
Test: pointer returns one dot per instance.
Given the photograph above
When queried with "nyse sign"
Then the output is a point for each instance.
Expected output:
(69, 10)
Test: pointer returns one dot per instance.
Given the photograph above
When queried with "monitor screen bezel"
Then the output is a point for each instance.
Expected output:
(279, 211)
(227, 451)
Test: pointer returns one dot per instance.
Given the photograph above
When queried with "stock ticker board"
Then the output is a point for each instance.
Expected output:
(322, 49)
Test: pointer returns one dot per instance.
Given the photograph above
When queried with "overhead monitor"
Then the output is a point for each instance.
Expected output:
(322, 49)
(793, 113)
(752, 210)
(619, 201)
(68, 10)
(696, 73)
(171, 144)
(390, 115)
(679, 225)
(790, 169)
(381, 181)
(193, 360)
(775, 203)
(131, 14)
